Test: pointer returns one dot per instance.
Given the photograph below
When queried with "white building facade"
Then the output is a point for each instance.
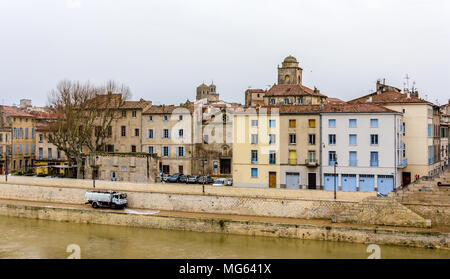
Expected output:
(367, 147)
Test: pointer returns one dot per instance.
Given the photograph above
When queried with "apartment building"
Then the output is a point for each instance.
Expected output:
(167, 132)
(22, 137)
(420, 129)
(5, 148)
(362, 148)
(125, 133)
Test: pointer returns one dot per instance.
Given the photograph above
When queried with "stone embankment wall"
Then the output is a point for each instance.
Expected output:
(382, 211)
(428, 200)
(306, 204)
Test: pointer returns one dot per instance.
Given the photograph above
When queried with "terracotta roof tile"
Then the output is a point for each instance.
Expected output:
(12, 111)
(291, 89)
(315, 109)
(388, 97)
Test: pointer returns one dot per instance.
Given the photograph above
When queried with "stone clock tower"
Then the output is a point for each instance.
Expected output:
(289, 72)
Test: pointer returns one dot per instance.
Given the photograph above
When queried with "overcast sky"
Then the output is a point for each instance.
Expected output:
(164, 49)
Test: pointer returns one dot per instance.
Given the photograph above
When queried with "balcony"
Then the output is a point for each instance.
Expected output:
(311, 162)
(403, 163)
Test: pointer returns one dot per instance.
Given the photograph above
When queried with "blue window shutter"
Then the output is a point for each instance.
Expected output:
(162, 133)
(162, 151)
(32, 133)
(184, 150)
(168, 132)
(176, 150)
(148, 133)
(168, 151)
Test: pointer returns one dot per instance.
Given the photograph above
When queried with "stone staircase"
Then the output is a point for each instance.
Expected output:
(384, 211)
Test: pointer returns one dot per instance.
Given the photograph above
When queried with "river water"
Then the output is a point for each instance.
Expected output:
(30, 238)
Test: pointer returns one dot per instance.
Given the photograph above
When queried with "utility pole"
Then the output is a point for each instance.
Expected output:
(335, 163)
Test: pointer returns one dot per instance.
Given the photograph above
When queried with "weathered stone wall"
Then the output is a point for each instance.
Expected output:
(255, 206)
(194, 189)
(382, 211)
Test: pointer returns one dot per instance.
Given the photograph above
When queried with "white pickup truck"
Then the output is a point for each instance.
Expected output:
(109, 199)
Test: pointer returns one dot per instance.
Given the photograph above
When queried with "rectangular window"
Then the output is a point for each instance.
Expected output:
(26, 148)
(180, 151)
(312, 123)
(352, 123)
(332, 139)
(292, 139)
(180, 117)
(312, 139)
(150, 133)
(58, 155)
(26, 133)
(429, 130)
(332, 123)
(165, 151)
(272, 123)
(20, 149)
(49, 153)
(292, 123)
(254, 172)
(133, 114)
(374, 159)
(374, 139)
(312, 156)
(124, 113)
(151, 149)
(403, 128)
(165, 117)
(181, 133)
(254, 156)
(254, 139)
(166, 133)
(300, 101)
(41, 153)
(150, 118)
(352, 158)
(352, 139)
(205, 139)
(272, 157)
(331, 158)
(133, 148)
(272, 139)
(124, 131)
(374, 123)
(136, 132)
(254, 123)
(292, 157)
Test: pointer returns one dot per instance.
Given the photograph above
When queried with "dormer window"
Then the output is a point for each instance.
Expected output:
(300, 101)
(286, 101)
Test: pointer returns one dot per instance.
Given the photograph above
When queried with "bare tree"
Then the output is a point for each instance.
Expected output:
(84, 116)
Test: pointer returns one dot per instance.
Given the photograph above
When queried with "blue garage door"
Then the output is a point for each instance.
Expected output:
(328, 182)
(348, 182)
(385, 184)
(292, 180)
(366, 182)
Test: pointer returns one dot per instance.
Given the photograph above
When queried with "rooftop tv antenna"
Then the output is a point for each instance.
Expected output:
(407, 81)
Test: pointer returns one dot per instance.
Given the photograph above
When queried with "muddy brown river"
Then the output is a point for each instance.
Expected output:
(29, 238)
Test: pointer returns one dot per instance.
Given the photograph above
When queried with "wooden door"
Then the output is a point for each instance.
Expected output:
(272, 180)
(311, 181)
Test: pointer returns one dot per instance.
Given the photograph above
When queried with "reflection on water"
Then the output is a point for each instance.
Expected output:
(29, 238)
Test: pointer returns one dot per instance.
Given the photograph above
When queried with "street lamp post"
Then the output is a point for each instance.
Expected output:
(335, 163)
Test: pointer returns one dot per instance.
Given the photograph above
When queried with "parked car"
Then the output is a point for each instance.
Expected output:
(229, 182)
(219, 182)
(164, 177)
(191, 179)
(182, 179)
(174, 178)
(205, 180)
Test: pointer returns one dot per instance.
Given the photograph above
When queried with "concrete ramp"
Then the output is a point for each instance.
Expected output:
(382, 211)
